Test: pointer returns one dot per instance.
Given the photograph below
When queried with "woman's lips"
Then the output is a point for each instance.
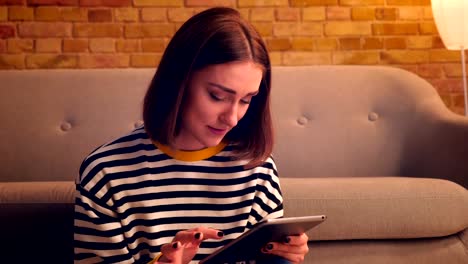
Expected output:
(217, 131)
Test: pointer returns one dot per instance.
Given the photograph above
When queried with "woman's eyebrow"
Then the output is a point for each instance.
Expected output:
(229, 90)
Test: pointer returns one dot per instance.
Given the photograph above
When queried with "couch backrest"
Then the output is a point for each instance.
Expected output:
(329, 120)
(364, 121)
(51, 119)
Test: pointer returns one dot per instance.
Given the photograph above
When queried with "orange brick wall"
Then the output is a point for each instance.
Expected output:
(133, 33)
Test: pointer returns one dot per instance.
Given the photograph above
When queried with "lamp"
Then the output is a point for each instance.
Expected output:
(451, 17)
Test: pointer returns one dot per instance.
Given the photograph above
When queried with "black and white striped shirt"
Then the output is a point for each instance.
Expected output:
(132, 197)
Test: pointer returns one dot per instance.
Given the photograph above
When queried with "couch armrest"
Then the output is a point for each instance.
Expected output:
(439, 150)
(463, 236)
(378, 207)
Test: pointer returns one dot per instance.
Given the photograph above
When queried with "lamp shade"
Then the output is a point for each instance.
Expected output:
(451, 17)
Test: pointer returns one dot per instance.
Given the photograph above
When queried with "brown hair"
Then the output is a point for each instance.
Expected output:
(214, 36)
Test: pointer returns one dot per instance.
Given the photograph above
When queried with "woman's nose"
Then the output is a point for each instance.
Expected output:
(230, 116)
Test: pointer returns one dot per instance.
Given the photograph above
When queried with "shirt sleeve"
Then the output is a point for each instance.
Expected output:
(98, 233)
(278, 212)
(269, 199)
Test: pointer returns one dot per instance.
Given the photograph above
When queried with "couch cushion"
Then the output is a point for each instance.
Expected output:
(378, 208)
(409, 251)
(37, 192)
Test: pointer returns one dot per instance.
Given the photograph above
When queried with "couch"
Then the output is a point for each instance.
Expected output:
(374, 148)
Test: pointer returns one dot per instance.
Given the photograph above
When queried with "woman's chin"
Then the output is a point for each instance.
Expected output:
(212, 143)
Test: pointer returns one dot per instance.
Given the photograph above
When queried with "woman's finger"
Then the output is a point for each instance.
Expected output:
(208, 233)
(296, 240)
(294, 258)
(280, 247)
(189, 238)
(173, 252)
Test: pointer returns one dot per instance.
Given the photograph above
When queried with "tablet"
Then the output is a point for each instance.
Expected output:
(248, 246)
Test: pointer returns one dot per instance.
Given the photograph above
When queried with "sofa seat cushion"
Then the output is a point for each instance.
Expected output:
(357, 208)
(407, 251)
(378, 207)
(54, 192)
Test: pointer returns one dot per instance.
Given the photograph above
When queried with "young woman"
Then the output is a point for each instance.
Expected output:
(198, 173)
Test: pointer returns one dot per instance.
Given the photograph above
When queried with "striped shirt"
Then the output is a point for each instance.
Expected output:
(132, 197)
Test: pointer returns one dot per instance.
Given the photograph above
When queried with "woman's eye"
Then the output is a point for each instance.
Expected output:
(215, 97)
(246, 100)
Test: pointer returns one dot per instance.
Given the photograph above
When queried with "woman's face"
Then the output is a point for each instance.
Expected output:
(218, 96)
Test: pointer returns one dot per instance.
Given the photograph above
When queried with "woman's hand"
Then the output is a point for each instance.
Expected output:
(185, 245)
(294, 248)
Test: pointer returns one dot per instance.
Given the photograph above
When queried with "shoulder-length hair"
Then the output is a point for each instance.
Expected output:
(214, 36)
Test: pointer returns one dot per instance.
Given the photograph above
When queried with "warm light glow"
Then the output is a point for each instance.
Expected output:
(451, 17)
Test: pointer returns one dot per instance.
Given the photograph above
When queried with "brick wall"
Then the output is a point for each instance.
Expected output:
(133, 33)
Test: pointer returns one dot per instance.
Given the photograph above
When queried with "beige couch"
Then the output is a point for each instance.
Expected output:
(374, 148)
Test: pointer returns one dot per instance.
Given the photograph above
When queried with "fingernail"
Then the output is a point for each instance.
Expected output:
(220, 234)
(269, 246)
(175, 245)
(287, 240)
(197, 235)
